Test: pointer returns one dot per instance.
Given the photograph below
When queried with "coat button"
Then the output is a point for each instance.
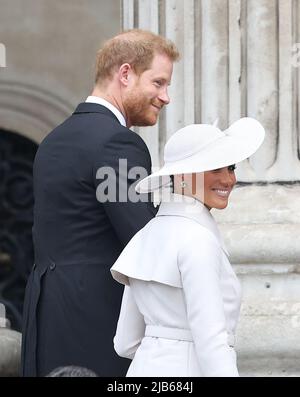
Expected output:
(34, 266)
(52, 266)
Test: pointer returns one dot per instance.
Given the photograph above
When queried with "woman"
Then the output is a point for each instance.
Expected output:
(182, 298)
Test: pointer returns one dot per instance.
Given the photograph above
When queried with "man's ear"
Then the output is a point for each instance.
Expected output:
(125, 72)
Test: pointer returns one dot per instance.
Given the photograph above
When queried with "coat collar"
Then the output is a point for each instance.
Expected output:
(87, 107)
(188, 207)
(108, 105)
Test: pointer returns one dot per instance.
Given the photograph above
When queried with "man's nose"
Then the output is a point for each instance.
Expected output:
(164, 97)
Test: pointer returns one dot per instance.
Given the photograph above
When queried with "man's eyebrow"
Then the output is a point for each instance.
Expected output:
(163, 80)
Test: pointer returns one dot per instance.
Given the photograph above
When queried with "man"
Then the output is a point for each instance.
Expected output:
(72, 303)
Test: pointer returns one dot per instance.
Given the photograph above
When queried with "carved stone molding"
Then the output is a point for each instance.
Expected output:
(30, 110)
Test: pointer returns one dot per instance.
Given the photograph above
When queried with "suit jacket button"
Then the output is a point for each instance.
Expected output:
(52, 266)
(34, 266)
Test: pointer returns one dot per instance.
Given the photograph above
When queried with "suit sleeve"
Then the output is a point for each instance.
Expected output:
(123, 161)
(130, 327)
(199, 260)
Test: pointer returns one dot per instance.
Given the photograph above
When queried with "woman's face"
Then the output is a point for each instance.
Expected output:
(212, 188)
(218, 185)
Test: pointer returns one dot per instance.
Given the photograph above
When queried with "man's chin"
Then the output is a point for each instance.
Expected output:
(146, 123)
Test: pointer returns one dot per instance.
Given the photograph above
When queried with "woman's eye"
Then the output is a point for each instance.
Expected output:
(232, 167)
(157, 83)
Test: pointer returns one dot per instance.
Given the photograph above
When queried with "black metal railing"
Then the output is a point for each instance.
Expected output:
(16, 218)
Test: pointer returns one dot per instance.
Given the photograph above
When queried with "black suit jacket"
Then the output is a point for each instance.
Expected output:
(72, 303)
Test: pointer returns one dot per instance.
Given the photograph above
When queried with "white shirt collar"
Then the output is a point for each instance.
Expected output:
(188, 207)
(108, 105)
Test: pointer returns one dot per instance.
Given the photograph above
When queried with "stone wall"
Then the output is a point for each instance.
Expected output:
(50, 57)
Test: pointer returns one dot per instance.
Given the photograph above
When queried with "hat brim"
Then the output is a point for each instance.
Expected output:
(239, 142)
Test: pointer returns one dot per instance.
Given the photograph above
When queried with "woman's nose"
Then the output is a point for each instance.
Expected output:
(228, 177)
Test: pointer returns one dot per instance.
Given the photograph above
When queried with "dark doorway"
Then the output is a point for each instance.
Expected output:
(16, 218)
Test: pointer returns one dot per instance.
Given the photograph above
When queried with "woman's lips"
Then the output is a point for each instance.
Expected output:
(224, 193)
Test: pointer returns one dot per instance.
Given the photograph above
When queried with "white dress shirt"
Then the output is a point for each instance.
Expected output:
(108, 105)
(179, 280)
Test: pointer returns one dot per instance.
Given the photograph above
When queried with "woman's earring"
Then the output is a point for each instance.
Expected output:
(183, 184)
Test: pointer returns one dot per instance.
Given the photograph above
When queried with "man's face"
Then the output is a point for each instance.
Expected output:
(148, 93)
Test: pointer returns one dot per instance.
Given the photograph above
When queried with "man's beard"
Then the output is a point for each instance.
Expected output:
(139, 110)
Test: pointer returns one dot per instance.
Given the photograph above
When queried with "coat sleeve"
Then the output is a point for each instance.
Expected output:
(130, 327)
(123, 161)
(199, 261)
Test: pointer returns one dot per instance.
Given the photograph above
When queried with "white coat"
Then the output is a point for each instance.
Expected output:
(181, 299)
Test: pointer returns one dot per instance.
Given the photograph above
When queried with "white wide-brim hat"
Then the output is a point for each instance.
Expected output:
(203, 147)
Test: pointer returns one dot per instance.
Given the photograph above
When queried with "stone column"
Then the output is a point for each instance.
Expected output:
(145, 15)
(214, 62)
(175, 20)
(287, 164)
(2, 56)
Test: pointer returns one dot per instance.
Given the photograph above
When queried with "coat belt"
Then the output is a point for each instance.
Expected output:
(177, 334)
